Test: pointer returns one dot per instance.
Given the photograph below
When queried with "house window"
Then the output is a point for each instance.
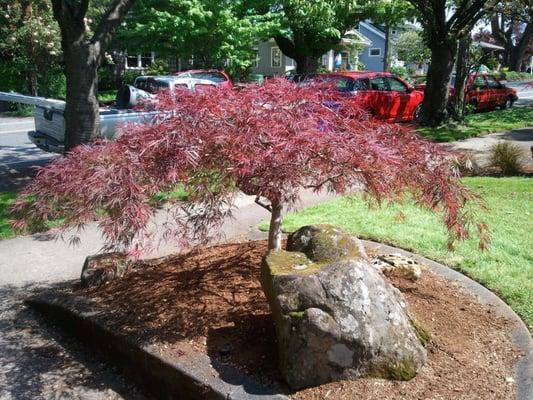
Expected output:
(275, 57)
(132, 61)
(374, 52)
(255, 62)
(147, 59)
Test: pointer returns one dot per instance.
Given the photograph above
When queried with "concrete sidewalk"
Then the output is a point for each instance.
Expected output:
(480, 146)
(40, 258)
(39, 362)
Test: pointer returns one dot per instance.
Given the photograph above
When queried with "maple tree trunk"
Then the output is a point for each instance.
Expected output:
(82, 120)
(434, 107)
(274, 232)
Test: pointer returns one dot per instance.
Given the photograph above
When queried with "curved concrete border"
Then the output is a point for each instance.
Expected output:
(521, 336)
(194, 377)
(191, 377)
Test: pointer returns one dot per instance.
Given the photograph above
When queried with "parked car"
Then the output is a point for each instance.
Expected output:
(220, 77)
(49, 133)
(384, 95)
(484, 92)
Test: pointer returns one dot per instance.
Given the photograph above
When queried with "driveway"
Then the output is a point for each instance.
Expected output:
(18, 155)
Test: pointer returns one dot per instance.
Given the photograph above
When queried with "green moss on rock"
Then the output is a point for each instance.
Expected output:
(421, 331)
(287, 262)
(325, 243)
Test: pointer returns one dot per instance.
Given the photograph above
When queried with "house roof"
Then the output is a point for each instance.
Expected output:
(353, 36)
(372, 29)
(488, 46)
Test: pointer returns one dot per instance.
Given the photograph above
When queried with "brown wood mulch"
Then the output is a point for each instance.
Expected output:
(212, 299)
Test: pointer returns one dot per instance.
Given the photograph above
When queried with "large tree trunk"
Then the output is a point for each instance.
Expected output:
(462, 70)
(274, 232)
(386, 55)
(81, 112)
(434, 107)
(306, 64)
(517, 52)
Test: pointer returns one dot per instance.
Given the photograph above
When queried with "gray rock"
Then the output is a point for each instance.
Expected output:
(101, 268)
(338, 320)
(398, 265)
(324, 242)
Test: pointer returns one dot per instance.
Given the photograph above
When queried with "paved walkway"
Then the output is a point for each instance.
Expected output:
(480, 146)
(37, 361)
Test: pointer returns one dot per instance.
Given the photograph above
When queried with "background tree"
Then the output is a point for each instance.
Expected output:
(217, 143)
(311, 28)
(30, 51)
(411, 48)
(390, 14)
(84, 48)
(511, 23)
(444, 24)
(215, 34)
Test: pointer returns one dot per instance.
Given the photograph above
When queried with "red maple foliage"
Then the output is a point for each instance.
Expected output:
(271, 141)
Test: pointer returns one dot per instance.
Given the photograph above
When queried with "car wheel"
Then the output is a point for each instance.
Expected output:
(418, 111)
(508, 103)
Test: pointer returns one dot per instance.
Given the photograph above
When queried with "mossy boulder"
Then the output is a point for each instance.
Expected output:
(99, 269)
(338, 319)
(326, 243)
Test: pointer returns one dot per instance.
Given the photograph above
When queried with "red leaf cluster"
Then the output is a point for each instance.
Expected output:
(271, 141)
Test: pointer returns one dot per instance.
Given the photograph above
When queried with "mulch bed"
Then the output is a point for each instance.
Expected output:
(211, 299)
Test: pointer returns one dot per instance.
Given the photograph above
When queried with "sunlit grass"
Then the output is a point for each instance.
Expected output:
(507, 266)
(481, 123)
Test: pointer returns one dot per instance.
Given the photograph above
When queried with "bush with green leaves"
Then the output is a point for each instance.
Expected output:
(507, 158)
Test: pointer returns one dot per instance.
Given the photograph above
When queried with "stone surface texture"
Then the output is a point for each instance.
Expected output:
(398, 265)
(101, 268)
(336, 317)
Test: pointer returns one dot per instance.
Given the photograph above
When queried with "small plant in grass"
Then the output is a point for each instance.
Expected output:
(507, 158)
(271, 141)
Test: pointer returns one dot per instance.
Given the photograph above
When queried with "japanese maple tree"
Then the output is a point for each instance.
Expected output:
(271, 141)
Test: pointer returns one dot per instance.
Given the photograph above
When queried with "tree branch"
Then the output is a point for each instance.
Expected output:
(265, 206)
(286, 46)
(109, 23)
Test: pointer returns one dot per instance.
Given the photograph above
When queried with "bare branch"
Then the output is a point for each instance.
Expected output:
(265, 206)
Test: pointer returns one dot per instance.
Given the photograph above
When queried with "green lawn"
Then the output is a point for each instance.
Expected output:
(506, 268)
(481, 123)
(107, 95)
(6, 199)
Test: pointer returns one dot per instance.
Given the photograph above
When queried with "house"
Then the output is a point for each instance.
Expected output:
(270, 61)
(372, 56)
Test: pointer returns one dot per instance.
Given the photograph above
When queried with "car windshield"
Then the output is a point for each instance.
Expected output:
(216, 77)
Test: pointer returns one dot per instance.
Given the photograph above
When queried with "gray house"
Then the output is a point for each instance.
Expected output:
(372, 56)
(270, 61)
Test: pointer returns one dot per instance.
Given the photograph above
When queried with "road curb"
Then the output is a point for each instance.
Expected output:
(521, 337)
(193, 377)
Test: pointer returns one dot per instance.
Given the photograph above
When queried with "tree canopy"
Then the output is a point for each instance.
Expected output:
(271, 141)
(213, 33)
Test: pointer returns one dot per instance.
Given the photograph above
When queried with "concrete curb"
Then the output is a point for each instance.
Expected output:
(521, 336)
(193, 377)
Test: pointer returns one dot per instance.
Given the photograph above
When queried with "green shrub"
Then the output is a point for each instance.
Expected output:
(400, 71)
(507, 157)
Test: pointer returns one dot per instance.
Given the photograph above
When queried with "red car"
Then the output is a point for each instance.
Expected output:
(384, 95)
(221, 78)
(484, 92)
